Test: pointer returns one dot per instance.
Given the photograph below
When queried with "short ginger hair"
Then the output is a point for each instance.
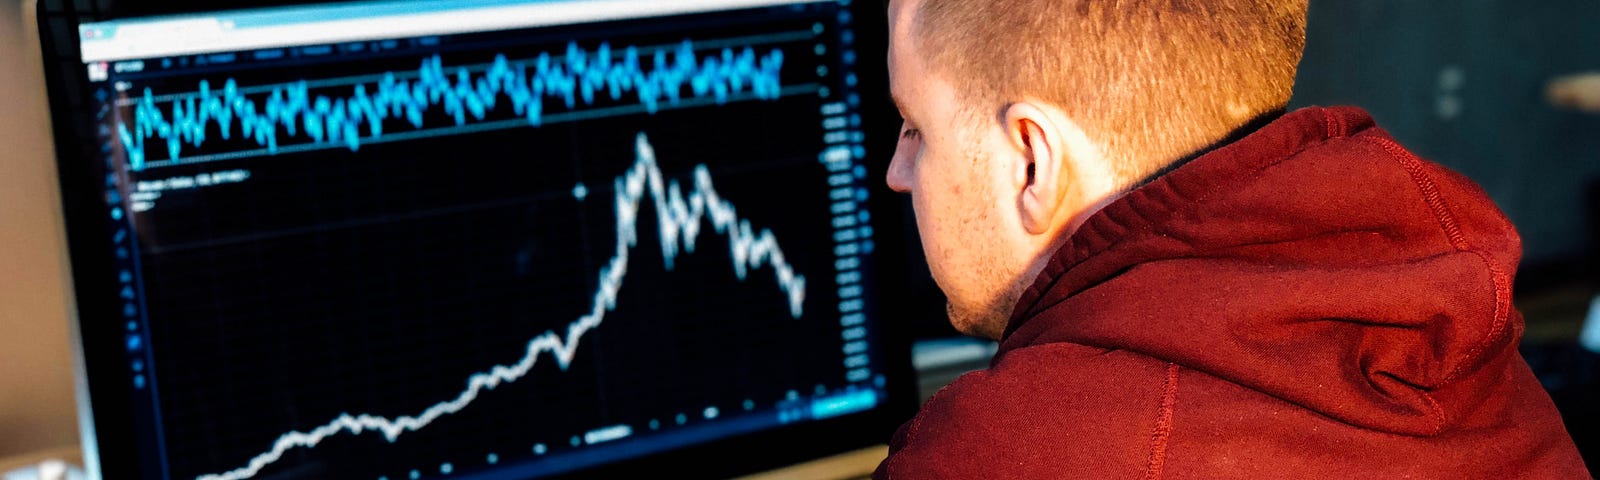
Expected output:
(1152, 80)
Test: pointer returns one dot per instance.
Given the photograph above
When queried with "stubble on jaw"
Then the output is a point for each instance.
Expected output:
(988, 272)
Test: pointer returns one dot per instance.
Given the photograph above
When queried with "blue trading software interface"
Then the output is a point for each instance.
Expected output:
(497, 239)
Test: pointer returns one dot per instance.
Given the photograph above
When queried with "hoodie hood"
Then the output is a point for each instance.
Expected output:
(1315, 261)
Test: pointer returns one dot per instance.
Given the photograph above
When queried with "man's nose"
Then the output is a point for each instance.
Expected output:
(900, 174)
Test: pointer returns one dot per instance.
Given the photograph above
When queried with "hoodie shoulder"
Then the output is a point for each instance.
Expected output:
(1047, 411)
(1333, 288)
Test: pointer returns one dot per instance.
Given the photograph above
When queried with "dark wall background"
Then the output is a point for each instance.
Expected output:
(1462, 83)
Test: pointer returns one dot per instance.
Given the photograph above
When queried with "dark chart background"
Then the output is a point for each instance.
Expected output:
(378, 281)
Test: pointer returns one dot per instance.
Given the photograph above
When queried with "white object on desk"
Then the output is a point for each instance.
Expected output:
(47, 470)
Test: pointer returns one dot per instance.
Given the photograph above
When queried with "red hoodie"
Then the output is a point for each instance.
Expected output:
(1311, 301)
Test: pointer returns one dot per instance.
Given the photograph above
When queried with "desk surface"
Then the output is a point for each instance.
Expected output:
(854, 465)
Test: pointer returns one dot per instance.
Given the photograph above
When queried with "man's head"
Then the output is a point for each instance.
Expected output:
(1023, 117)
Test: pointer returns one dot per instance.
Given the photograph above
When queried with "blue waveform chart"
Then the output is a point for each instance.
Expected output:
(439, 99)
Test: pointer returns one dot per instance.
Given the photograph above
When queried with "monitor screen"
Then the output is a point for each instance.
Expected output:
(475, 239)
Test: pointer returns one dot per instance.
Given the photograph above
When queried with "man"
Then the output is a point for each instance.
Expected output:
(1186, 281)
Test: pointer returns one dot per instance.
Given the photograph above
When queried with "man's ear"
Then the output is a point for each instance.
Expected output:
(1042, 170)
(1062, 173)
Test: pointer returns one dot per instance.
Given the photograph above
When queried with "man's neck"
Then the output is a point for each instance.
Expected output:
(1235, 135)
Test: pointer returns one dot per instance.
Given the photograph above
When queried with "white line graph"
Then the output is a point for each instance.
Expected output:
(679, 221)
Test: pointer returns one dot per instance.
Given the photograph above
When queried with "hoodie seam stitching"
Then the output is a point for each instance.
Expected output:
(1328, 123)
(1162, 432)
(1502, 300)
(1430, 192)
(1499, 280)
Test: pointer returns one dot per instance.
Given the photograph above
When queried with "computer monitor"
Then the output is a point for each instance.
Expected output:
(476, 238)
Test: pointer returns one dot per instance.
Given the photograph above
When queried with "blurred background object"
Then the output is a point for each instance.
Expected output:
(36, 398)
(1578, 92)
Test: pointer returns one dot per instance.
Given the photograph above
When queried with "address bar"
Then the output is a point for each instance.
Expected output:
(191, 36)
